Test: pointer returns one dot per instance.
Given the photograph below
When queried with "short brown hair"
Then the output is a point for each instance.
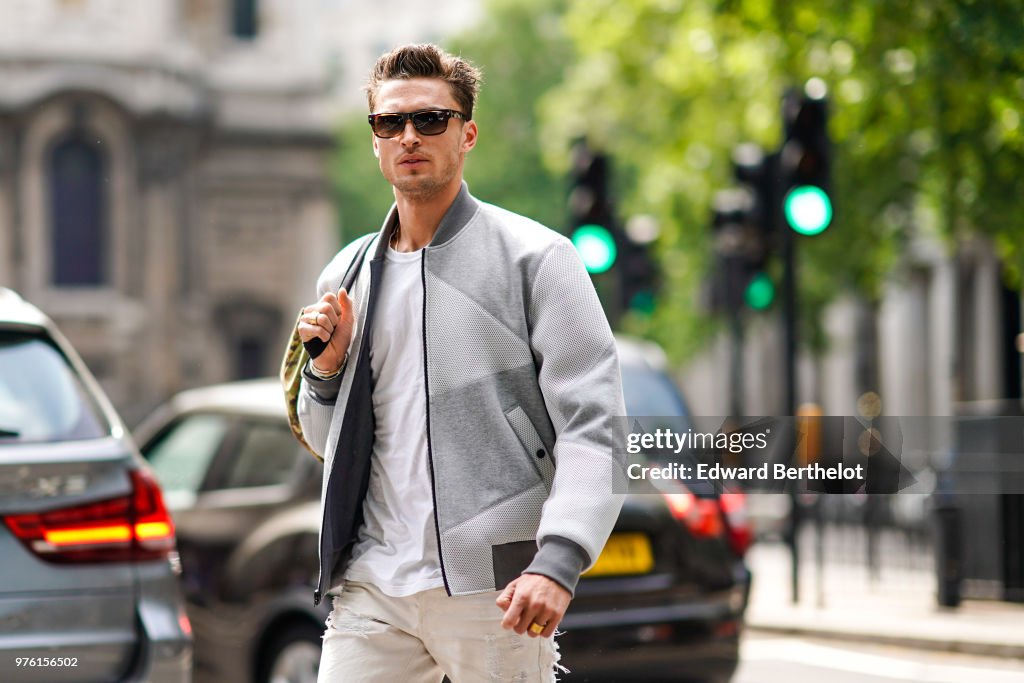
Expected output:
(427, 61)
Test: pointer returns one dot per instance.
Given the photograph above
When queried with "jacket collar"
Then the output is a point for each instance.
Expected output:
(458, 215)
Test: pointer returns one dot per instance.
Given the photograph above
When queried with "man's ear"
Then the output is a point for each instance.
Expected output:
(376, 148)
(469, 135)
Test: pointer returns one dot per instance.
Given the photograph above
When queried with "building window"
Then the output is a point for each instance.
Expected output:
(245, 18)
(250, 358)
(78, 214)
(244, 323)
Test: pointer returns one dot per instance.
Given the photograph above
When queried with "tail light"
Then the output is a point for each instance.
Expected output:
(184, 624)
(734, 505)
(130, 528)
(700, 515)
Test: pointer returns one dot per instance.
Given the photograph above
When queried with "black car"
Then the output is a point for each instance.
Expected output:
(665, 599)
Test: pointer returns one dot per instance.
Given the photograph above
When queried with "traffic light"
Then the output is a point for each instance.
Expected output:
(805, 160)
(744, 235)
(590, 212)
(596, 247)
(736, 245)
(638, 275)
(760, 291)
(598, 237)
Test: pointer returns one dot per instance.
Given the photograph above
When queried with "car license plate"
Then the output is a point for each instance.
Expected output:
(624, 554)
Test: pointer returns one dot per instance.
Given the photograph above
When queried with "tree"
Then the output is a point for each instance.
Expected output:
(361, 193)
(521, 47)
(925, 120)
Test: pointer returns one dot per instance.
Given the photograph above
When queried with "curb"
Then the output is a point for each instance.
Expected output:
(971, 647)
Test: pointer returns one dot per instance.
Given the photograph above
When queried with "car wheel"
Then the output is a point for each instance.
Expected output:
(293, 656)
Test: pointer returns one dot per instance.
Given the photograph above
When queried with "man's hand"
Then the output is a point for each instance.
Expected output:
(533, 598)
(330, 320)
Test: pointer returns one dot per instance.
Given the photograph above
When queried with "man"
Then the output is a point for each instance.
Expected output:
(462, 406)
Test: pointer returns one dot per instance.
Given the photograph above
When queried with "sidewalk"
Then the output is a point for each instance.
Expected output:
(899, 609)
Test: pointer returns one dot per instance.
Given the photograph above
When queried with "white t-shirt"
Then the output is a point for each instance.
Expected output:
(396, 550)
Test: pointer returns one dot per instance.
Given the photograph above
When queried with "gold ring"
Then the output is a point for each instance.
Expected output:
(536, 628)
(314, 319)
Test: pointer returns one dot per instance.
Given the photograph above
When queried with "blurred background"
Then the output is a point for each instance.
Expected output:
(175, 173)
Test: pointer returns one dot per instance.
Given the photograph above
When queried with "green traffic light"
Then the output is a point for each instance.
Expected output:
(808, 210)
(596, 247)
(760, 292)
(642, 303)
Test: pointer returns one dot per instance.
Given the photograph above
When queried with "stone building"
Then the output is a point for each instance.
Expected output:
(163, 181)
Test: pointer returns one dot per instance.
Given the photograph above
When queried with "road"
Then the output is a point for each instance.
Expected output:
(768, 659)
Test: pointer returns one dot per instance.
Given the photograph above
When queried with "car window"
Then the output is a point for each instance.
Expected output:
(42, 398)
(265, 455)
(182, 455)
(650, 392)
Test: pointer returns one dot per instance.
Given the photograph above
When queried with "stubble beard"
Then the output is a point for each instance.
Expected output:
(425, 187)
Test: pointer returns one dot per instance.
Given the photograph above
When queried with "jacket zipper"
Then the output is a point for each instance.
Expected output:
(430, 450)
(317, 594)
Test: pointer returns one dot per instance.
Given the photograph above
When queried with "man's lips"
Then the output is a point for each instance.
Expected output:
(412, 161)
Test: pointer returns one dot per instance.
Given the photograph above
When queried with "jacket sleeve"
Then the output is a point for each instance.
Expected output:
(582, 388)
(317, 397)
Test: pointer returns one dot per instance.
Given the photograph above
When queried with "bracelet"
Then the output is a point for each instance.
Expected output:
(327, 375)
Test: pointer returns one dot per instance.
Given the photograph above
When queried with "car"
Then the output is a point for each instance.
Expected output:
(677, 615)
(245, 497)
(246, 500)
(89, 581)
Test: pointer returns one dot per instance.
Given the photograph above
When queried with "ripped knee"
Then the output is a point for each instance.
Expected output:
(344, 620)
(509, 659)
(504, 658)
(552, 657)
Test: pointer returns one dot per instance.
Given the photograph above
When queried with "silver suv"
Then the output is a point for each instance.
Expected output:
(88, 567)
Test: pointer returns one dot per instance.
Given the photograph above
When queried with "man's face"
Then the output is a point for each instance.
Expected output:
(421, 166)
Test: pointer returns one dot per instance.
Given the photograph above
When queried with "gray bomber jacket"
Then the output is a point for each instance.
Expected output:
(522, 380)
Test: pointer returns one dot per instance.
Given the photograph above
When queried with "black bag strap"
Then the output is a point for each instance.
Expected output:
(315, 346)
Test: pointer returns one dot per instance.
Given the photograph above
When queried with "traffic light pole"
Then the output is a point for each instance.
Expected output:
(736, 389)
(791, 186)
(789, 316)
(736, 352)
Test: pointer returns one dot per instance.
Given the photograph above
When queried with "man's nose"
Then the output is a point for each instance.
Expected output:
(409, 136)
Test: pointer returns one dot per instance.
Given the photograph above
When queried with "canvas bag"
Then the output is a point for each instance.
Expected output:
(297, 354)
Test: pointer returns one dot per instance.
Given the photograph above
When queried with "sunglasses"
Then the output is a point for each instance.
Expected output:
(425, 121)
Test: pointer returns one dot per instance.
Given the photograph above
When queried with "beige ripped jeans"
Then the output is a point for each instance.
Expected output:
(372, 638)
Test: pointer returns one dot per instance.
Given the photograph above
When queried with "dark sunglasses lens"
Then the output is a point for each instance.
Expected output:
(430, 122)
(388, 125)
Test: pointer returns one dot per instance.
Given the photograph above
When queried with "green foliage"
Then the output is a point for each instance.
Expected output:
(521, 47)
(361, 193)
(925, 119)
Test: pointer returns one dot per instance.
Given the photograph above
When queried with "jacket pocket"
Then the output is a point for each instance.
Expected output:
(510, 559)
(535, 449)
